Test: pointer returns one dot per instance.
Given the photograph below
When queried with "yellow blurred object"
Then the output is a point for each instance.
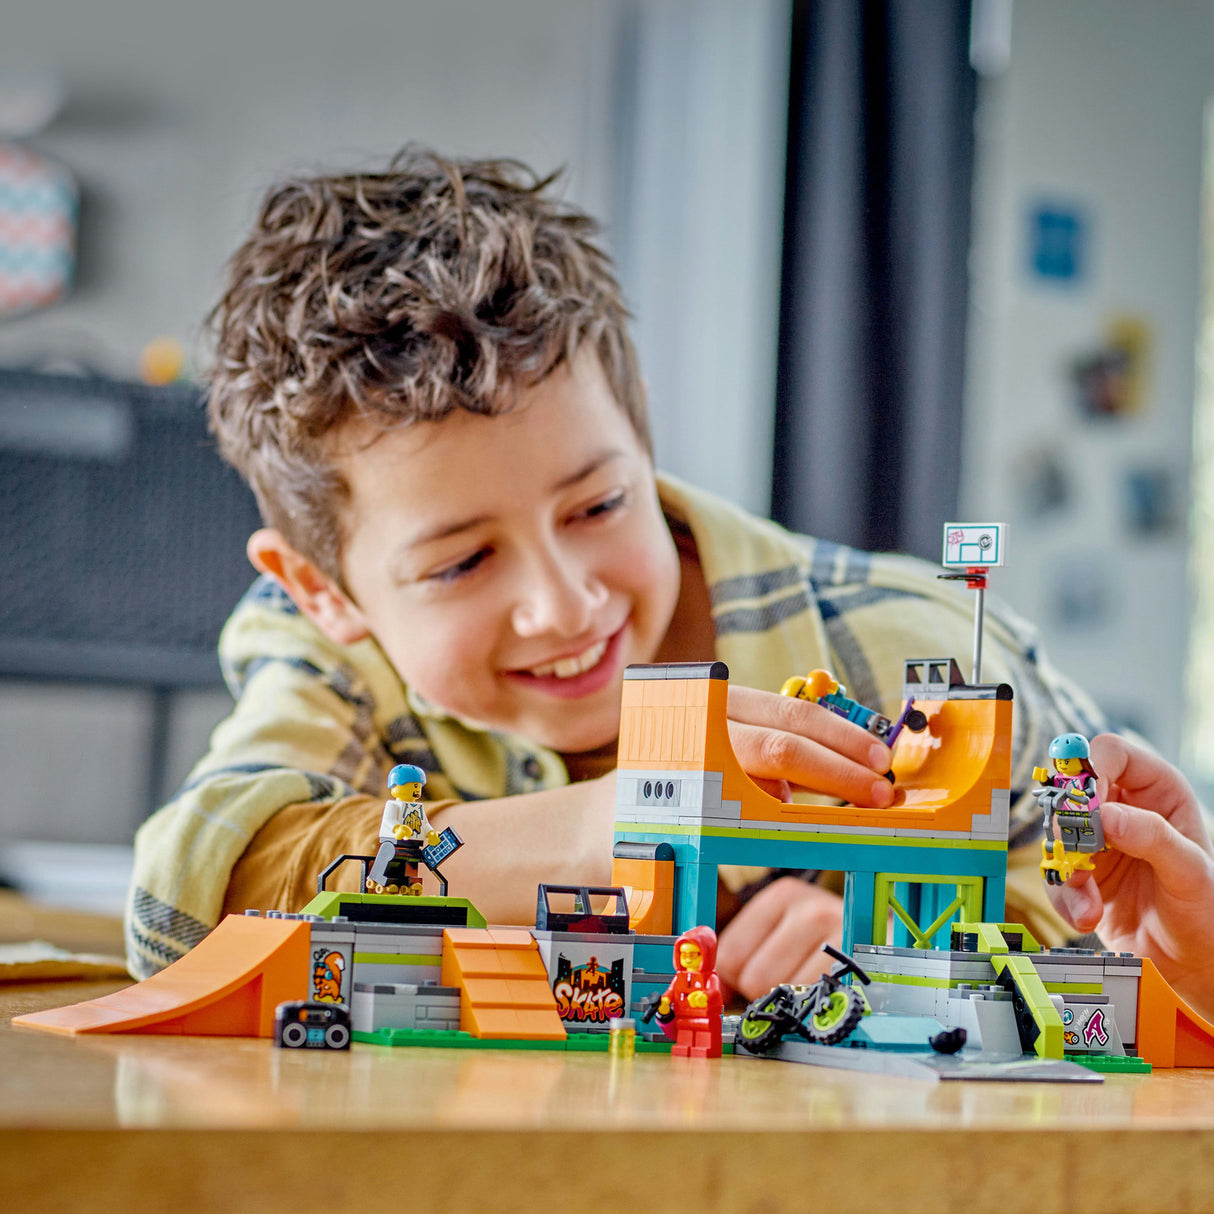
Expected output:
(819, 683)
(622, 1042)
(162, 361)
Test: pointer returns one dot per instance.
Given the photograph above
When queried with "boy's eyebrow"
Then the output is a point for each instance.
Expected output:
(591, 466)
(445, 530)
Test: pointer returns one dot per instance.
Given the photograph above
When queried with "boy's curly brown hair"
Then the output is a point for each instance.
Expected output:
(398, 297)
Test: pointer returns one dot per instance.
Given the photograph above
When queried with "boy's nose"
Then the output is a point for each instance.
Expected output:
(558, 596)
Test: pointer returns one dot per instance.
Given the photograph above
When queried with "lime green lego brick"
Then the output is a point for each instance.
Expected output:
(1031, 986)
(328, 904)
(671, 831)
(967, 901)
(667, 830)
(990, 937)
(928, 879)
(1032, 991)
(430, 960)
(1112, 1064)
(1074, 988)
(916, 980)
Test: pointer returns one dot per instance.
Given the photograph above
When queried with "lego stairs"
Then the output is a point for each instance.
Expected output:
(227, 986)
(503, 984)
(1037, 1018)
(1170, 1033)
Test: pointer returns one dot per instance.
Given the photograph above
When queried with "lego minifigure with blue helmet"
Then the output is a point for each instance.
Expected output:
(1068, 796)
(403, 831)
(405, 782)
(1069, 746)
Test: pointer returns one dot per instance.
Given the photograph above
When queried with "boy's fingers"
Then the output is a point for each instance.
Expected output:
(773, 755)
(1079, 902)
(808, 918)
(1142, 777)
(752, 924)
(787, 714)
(1179, 864)
(817, 965)
(763, 917)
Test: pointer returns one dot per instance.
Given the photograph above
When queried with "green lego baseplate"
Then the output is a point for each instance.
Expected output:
(1112, 1064)
(575, 1043)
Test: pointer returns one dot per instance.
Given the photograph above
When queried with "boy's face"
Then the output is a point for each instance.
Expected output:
(512, 566)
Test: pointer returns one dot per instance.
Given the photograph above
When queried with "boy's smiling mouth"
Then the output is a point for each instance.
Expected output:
(566, 668)
(578, 674)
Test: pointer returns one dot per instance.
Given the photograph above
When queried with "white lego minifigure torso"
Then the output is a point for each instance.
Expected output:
(410, 814)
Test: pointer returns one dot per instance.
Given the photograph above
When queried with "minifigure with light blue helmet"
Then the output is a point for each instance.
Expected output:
(1072, 755)
(1068, 796)
(403, 831)
(1070, 746)
(402, 776)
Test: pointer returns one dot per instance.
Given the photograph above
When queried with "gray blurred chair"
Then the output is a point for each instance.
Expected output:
(122, 538)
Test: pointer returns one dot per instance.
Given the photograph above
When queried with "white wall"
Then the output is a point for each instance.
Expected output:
(700, 227)
(668, 114)
(1101, 106)
(179, 117)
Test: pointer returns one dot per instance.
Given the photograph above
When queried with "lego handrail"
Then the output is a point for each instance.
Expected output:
(367, 861)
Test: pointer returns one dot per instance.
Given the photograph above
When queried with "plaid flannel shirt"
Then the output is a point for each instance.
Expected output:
(315, 722)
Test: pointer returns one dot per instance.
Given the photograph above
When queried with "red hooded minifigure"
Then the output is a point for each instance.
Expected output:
(690, 1010)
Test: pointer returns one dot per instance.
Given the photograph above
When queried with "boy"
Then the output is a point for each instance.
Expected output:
(427, 379)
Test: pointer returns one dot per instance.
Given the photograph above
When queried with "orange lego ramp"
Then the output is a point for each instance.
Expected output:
(503, 985)
(945, 775)
(227, 986)
(966, 747)
(649, 888)
(1170, 1033)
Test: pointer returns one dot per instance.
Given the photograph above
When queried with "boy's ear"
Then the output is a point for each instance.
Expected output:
(313, 592)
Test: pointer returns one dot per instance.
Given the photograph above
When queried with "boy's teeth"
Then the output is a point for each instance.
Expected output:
(566, 668)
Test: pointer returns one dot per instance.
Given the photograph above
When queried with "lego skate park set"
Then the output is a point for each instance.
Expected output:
(930, 981)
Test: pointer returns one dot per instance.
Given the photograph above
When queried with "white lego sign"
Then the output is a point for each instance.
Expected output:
(973, 545)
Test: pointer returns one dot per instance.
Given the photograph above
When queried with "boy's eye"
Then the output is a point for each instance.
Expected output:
(606, 506)
(452, 573)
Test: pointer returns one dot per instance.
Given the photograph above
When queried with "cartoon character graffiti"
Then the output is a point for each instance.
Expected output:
(328, 969)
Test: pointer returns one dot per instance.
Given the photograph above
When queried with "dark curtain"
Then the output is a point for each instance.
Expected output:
(874, 287)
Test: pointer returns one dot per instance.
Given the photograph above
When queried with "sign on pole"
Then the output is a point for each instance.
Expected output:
(973, 545)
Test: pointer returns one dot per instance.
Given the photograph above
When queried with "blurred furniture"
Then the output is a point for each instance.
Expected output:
(122, 544)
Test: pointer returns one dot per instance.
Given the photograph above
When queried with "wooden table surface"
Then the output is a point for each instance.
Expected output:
(133, 1123)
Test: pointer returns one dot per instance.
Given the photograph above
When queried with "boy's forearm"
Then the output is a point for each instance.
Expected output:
(561, 836)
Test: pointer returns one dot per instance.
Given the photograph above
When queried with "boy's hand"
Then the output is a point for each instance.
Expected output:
(778, 936)
(1153, 892)
(784, 743)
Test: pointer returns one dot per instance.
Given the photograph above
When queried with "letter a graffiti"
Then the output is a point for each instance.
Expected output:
(1094, 1030)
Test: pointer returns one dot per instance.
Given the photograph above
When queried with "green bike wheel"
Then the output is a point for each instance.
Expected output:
(843, 1011)
(761, 1036)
